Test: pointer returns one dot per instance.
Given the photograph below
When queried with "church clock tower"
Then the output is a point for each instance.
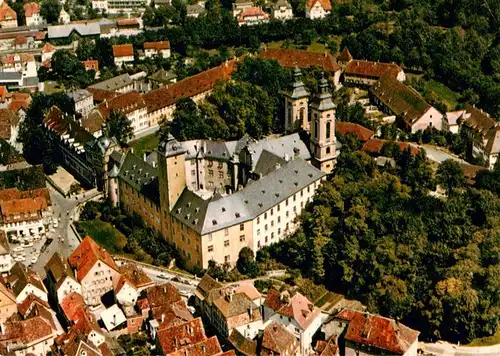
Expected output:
(322, 130)
(296, 102)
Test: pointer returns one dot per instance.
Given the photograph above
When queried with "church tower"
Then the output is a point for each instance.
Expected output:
(323, 140)
(172, 179)
(296, 102)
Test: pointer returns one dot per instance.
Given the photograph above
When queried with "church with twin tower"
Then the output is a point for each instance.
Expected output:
(316, 117)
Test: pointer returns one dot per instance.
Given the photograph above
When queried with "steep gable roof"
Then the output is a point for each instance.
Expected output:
(59, 269)
(277, 339)
(71, 305)
(160, 45)
(345, 56)
(27, 331)
(135, 275)
(162, 294)
(362, 133)
(208, 347)
(375, 145)
(176, 337)
(188, 87)
(20, 276)
(371, 69)
(296, 307)
(125, 103)
(31, 9)
(291, 58)
(378, 332)
(325, 4)
(206, 284)
(402, 100)
(6, 12)
(86, 255)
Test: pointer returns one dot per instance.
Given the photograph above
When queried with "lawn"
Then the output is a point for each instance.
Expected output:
(146, 144)
(317, 47)
(445, 94)
(104, 234)
(486, 341)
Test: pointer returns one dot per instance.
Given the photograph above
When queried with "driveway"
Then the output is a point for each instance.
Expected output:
(438, 155)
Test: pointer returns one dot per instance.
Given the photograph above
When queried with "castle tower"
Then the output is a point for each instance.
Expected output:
(296, 102)
(323, 140)
(172, 179)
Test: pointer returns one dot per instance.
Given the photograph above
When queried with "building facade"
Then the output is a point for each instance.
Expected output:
(152, 49)
(123, 54)
(318, 9)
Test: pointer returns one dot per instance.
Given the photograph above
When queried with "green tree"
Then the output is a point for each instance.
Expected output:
(67, 68)
(246, 263)
(450, 175)
(85, 49)
(50, 10)
(119, 127)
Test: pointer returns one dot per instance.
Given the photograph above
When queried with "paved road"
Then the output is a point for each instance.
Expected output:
(447, 349)
(64, 240)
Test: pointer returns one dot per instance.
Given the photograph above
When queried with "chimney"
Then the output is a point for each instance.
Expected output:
(114, 319)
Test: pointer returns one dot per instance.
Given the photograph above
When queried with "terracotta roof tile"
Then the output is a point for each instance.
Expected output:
(31, 8)
(291, 58)
(91, 64)
(127, 22)
(227, 353)
(296, 307)
(86, 255)
(208, 347)
(28, 209)
(20, 40)
(27, 331)
(163, 294)
(125, 50)
(48, 48)
(10, 59)
(325, 4)
(6, 13)
(206, 284)
(326, 348)
(361, 132)
(157, 45)
(27, 304)
(345, 56)
(371, 69)
(179, 336)
(402, 100)
(71, 305)
(3, 93)
(126, 103)
(252, 11)
(188, 87)
(135, 275)
(378, 332)
(242, 344)
(277, 340)
(375, 145)
(100, 94)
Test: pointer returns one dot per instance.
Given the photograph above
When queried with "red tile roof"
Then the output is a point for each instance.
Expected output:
(23, 57)
(15, 193)
(188, 87)
(71, 305)
(208, 347)
(125, 50)
(31, 8)
(91, 64)
(135, 275)
(6, 13)
(252, 11)
(27, 304)
(345, 56)
(19, 101)
(40, 35)
(163, 294)
(326, 348)
(371, 69)
(157, 45)
(375, 145)
(126, 103)
(86, 255)
(27, 331)
(179, 336)
(48, 48)
(18, 210)
(296, 307)
(291, 58)
(20, 40)
(277, 340)
(325, 4)
(378, 332)
(127, 22)
(3, 93)
(100, 94)
(361, 132)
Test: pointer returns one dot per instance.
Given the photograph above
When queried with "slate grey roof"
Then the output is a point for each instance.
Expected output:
(267, 163)
(114, 83)
(323, 100)
(83, 29)
(78, 95)
(140, 176)
(163, 76)
(10, 75)
(285, 146)
(206, 216)
(299, 90)
(30, 81)
(282, 3)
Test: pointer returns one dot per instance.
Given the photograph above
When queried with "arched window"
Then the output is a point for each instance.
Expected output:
(328, 127)
(301, 115)
(315, 123)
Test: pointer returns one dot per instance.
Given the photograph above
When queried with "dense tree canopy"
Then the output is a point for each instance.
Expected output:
(431, 262)
(119, 127)
(50, 10)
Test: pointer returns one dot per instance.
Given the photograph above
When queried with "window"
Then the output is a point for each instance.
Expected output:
(294, 197)
(226, 258)
(209, 237)
(286, 203)
(271, 212)
(279, 219)
(242, 238)
(258, 244)
(258, 220)
(220, 165)
(328, 150)
(278, 207)
(226, 232)
(287, 214)
(265, 215)
(265, 227)
(308, 188)
(211, 172)
(328, 128)
(301, 193)
(242, 227)
(210, 163)
(279, 231)
(272, 223)
(193, 172)
(226, 243)
(221, 174)
(210, 248)
(258, 232)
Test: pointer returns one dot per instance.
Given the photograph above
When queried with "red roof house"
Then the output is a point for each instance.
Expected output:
(361, 132)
